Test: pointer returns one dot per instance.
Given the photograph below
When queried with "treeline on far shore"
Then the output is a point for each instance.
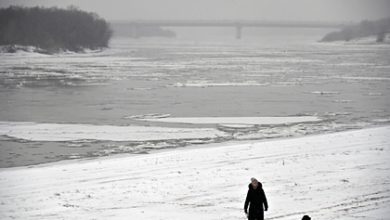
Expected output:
(379, 28)
(53, 29)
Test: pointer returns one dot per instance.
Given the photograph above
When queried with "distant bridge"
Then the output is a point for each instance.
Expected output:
(238, 25)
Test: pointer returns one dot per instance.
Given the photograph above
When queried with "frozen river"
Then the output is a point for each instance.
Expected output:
(146, 94)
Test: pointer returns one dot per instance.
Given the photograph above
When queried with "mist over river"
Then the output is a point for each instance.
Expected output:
(273, 83)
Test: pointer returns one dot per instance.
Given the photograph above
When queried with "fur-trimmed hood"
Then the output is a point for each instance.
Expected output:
(258, 187)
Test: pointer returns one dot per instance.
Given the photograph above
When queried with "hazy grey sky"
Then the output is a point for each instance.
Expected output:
(312, 10)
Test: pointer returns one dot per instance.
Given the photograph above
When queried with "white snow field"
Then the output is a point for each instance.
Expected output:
(342, 175)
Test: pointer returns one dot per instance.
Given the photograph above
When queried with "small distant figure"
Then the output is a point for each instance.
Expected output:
(306, 217)
(256, 200)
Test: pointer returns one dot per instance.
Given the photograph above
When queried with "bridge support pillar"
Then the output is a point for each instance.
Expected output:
(238, 32)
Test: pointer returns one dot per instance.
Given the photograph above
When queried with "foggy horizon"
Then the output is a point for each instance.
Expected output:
(267, 10)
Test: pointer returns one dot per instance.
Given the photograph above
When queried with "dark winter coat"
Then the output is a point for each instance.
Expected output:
(257, 202)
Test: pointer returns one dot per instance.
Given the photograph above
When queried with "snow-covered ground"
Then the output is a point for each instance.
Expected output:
(331, 176)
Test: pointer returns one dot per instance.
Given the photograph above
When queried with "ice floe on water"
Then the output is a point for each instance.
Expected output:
(325, 92)
(131, 148)
(364, 78)
(85, 132)
(55, 142)
(71, 132)
(295, 130)
(381, 120)
(342, 100)
(218, 84)
(237, 121)
(375, 94)
(336, 113)
(148, 116)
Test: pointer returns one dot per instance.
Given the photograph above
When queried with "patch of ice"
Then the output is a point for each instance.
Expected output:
(238, 121)
(148, 116)
(237, 126)
(74, 156)
(364, 78)
(141, 148)
(324, 92)
(73, 132)
(199, 141)
(381, 120)
(337, 113)
(218, 84)
(141, 88)
(342, 100)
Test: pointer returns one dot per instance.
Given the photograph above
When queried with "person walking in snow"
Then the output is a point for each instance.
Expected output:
(256, 200)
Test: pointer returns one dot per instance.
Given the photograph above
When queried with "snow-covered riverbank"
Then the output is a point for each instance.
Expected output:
(332, 176)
